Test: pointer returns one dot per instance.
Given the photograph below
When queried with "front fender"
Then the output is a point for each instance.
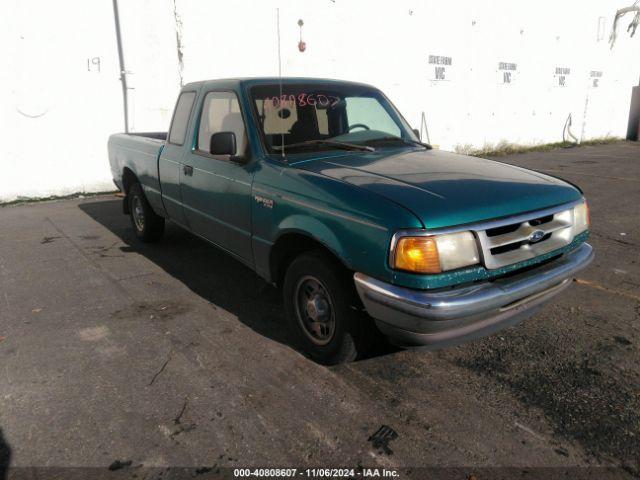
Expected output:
(316, 229)
(353, 223)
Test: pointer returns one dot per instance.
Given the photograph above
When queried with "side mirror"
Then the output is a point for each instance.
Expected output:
(417, 132)
(223, 143)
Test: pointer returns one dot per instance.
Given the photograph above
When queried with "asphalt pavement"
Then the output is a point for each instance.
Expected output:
(176, 355)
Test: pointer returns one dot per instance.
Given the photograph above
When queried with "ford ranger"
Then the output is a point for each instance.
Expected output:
(324, 190)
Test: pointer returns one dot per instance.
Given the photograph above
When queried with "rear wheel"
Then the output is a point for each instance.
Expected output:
(148, 226)
(320, 302)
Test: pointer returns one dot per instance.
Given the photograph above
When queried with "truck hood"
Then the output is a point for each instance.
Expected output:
(445, 189)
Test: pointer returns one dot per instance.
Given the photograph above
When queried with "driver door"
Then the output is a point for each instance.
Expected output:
(216, 190)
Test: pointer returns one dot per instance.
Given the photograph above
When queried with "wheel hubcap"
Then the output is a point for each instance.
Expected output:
(138, 213)
(314, 310)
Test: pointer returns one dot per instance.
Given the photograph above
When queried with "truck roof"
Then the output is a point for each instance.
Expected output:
(235, 82)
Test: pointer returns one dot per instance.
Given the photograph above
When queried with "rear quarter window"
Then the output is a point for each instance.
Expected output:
(181, 118)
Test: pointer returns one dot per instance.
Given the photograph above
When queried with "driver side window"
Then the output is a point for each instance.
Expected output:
(221, 113)
(368, 111)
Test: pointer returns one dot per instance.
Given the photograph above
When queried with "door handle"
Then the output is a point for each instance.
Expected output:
(188, 170)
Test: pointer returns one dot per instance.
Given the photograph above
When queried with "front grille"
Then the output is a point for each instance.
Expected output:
(504, 243)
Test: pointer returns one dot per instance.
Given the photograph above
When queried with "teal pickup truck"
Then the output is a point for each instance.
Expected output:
(324, 190)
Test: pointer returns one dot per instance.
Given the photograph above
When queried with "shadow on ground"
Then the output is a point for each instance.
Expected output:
(5, 457)
(207, 271)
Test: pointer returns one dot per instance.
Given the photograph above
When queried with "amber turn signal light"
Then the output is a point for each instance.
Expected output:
(417, 254)
(586, 206)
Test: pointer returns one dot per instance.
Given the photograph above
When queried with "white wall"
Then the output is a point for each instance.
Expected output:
(55, 112)
(58, 111)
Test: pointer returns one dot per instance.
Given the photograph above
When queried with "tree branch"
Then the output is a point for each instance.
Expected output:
(632, 26)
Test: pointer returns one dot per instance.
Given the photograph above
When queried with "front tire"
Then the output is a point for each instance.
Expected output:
(148, 226)
(321, 307)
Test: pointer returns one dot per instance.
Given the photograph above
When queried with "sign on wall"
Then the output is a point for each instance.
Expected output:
(440, 68)
(507, 73)
(594, 78)
(561, 76)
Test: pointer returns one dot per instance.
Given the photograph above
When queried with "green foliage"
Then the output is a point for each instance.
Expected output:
(507, 148)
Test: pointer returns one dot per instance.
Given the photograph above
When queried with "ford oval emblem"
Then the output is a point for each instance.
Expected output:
(536, 236)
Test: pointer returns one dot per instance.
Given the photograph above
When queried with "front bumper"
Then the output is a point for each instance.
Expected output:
(451, 316)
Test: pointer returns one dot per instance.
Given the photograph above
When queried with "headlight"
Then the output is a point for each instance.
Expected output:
(436, 253)
(581, 220)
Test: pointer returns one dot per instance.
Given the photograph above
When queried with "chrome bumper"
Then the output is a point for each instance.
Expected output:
(447, 317)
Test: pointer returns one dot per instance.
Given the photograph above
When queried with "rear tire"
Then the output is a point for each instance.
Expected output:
(148, 226)
(322, 310)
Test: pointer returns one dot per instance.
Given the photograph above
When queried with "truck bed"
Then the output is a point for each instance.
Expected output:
(136, 149)
(153, 135)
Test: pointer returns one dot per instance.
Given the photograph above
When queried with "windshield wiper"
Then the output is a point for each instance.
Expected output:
(344, 145)
(399, 139)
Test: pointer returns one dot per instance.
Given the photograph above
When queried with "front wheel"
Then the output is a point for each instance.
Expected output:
(320, 300)
(148, 226)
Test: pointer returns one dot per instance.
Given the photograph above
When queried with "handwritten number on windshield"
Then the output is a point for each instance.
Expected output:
(302, 100)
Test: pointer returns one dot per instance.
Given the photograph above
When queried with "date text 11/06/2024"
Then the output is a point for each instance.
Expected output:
(316, 472)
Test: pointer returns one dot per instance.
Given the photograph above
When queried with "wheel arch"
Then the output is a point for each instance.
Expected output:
(128, 179)
(292, 243)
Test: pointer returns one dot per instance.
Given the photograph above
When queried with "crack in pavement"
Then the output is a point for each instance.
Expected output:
(164, 365)
(184, 407)
(597, 286)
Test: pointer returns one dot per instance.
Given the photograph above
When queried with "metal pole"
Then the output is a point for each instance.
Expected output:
(123, 71)
(280, 102)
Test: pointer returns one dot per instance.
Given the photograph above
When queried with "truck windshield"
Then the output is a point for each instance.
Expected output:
(327, 117)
